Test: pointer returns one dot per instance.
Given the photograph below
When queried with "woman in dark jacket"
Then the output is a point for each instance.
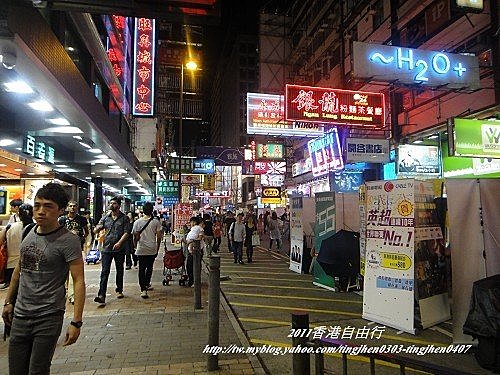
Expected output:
(250, 228)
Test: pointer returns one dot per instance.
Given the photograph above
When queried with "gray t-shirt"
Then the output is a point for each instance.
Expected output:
(147, 242)
(44, 269)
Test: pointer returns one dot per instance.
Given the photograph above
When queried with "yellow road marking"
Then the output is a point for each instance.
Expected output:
(271, 278)
(267, 273)
(356, 358)
(332, 312)
(291, 297)
(253, 268)
(279, 287)
(388, 337)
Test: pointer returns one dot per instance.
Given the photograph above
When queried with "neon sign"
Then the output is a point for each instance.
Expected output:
(270, 151)
(144, 67)
(325, 153)
(334, 106)
(415, 66)
(265, 115)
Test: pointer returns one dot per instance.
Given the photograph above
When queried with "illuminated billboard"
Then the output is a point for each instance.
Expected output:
(334, 106)
(269, 151)
(265, 115)
(325, 153)
(415, 66)
(418, 161)
(144, 67)
(477, 138)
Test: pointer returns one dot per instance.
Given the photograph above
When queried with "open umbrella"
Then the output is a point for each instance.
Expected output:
(339, 254)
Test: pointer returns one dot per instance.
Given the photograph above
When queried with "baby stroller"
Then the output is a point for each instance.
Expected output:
(94, 254)
(173, 263)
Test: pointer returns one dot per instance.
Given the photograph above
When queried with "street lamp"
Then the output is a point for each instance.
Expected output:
(190, 65)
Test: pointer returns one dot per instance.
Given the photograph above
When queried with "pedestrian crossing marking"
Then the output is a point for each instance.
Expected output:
(321, 311)
(356, 358)
(236, 269)
(267, 273)
(270, 278)
(280, 287)
(292, 297)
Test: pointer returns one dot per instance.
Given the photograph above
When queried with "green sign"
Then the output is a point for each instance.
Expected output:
(477, 138)
(38, 149)
(167, 188)
(462, 167)
(186, 165)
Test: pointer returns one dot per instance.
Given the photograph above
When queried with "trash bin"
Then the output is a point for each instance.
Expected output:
(483, 321)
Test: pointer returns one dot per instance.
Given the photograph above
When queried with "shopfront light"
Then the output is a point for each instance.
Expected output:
(19, 87)
(94, 150)
(41, 105)
(85, 145)
(101, 156)
(58, 121)
(6, 142)
(64, 130)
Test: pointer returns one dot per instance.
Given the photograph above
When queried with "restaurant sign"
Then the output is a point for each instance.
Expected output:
(334, 106)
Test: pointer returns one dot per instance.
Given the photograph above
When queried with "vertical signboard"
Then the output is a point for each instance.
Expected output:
(325, 153)
(324, 227)
(182, 214)
(362, 229)
(389, 270)
(296, 234)
(144, 67)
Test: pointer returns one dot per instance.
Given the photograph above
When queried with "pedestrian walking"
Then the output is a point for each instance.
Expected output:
(228, 221)
(208, 233)
(195, 234)
(117, 227)
(130, 255)
(250, 229)
(48, 253)
(217, 228)
(148, 233)
(14, 210)
(237, 235)
(274, 232)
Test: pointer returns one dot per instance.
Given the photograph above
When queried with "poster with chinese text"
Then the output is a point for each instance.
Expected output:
(296, 234)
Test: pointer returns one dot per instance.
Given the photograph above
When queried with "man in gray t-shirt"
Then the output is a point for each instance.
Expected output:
(48, 252)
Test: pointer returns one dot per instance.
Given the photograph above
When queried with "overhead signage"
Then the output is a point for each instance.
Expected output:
(334, 106)
(418, 161)
(415, 66)
(325, 153)
(346, 181)
(167, 188)
(301, 167)
(266, 115)
(204, 166)
(186, 165)
(190, 179)
(477, 138)
(269, 151)
(144, 67)
(470, 5)
(209, 181)
(368, 150)
(38, 149)
(271, 194)
(272, 179)
(222, 155)
(269, 167)
(214, 194)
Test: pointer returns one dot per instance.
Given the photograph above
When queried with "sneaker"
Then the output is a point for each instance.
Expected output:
(100, 300)
(72, 300)
(235, 262)
(119, 295)
(144, 294)
(241, 262)
(150, 287)
(4, 286)
(128, 267)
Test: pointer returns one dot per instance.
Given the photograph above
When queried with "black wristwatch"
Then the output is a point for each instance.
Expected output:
(77, 324)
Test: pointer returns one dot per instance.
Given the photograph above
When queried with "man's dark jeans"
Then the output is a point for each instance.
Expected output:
(106, 258)
(238, 251)
(145, 270)
(33, 342)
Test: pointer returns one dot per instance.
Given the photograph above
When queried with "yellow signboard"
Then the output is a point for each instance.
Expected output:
(396, 261)
(209, 182)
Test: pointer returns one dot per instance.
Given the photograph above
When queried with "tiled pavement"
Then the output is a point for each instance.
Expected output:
(160, 335)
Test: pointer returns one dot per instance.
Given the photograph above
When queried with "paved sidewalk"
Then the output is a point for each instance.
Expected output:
(159, 335)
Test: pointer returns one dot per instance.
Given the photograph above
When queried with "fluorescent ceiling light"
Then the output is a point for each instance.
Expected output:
(3, 165)
(77, 137)
(68, 170)
(6, 142)
(418, 141)
(114, 166)
(104, 161)
(41, 105)
(31, 173)
(18, 169)
(71, 49)
(58, 121)
(101, 156)
(61, 166)
(85, 145)
(19, 87)
(64, 130)
(95, 151)
(435, 136)
(115, 170)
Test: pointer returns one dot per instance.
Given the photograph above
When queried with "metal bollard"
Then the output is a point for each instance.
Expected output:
(197, 274)
(319, 363)
(213, 310)
(300, 361)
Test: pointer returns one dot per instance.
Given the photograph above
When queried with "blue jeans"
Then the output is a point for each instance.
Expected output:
(106, 258)
(145, 270)
(238, 251)
(33, 342)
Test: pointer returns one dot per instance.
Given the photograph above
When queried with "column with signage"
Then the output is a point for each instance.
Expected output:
(296, 234)
(403, 248)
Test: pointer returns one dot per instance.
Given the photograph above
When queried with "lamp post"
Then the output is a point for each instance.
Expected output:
(190, 65)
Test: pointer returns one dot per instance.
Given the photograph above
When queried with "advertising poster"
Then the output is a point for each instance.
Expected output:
(430, 262)
(324, 227)
(325, 153)
(362, 229)
(389, 267)
(477, 138)
(296, 234)
(422, 161)
(182, 213)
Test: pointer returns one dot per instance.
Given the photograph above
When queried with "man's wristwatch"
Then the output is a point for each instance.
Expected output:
(77, 324)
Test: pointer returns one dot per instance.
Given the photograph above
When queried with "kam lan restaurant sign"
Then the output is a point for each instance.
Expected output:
(477, 138)
(334, 106)
(144, 67)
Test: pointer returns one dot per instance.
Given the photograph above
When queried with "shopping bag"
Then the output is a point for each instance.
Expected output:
(255, 239)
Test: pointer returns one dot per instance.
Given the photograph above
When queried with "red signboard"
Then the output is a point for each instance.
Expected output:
(144, 67)
(334, 106)
(269, 167)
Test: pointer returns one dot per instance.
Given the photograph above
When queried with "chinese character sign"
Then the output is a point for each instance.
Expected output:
(144, 67)
(334, 106)
(269, 151)
(368, 150)
(167, 188)
(325, 153)
(204, 166)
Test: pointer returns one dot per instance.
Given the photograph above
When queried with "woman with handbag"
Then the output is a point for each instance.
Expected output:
(250, 230)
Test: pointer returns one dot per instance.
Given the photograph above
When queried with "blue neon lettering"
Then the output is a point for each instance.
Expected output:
(435, 65)
(382, 58)
(460, 69)
(420, 75)
(402, 59)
